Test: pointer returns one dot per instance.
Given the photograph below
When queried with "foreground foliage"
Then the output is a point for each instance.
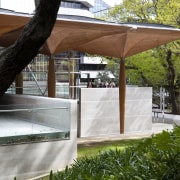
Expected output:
(154, 158)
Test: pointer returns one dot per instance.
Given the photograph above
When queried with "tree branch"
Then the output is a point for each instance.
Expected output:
(16, 57)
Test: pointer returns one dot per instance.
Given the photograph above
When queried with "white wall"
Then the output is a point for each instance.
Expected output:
(75, 12)
(99, 111)
(26, 6)
(29, 160)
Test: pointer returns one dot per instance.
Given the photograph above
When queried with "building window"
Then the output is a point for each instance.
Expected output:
(74, 5)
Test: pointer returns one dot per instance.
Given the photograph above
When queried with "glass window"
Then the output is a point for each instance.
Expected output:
(75, 5)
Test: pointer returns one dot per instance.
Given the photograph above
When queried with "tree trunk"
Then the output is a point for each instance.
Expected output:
(177, 94)
(16, 57)
(171, 80)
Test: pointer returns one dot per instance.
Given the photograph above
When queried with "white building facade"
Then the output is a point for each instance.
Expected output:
(75, 7)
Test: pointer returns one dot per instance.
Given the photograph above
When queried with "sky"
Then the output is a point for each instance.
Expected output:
(112, 2)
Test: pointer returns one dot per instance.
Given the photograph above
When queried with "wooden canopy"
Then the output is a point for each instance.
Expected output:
(92, 36)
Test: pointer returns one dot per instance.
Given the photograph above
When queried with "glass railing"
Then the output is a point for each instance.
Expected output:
(21, 123)
(63, 90)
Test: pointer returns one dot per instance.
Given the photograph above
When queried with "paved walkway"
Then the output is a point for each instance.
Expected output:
(156, 128)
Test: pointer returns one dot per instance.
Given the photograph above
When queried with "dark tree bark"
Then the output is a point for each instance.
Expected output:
(177, 94)
(171, 82)
(16, 57)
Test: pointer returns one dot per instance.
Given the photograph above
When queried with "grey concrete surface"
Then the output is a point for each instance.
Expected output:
(160, 117)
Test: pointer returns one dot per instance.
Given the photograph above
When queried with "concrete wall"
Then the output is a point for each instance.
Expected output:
(99, 111)
(29, 160)
(167, 118)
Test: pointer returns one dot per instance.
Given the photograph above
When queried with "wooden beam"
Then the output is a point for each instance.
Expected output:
(19, 83)
(122, 95)
(72, 78)
(72, 65)
(51, 79)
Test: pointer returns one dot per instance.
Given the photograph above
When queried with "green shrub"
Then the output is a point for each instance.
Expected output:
(155, 158)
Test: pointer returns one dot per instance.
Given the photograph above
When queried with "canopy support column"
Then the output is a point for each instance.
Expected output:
(19, 83)
(72, 65)
(51, 79)
(122, 94)
(72, 78)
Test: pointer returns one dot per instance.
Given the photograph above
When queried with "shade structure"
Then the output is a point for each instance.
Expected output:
(95, 37)
(108, 39)
(91, 35)
(11, 22)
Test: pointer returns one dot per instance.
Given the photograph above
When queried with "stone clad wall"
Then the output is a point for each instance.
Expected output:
(99, 111)
(32, 159)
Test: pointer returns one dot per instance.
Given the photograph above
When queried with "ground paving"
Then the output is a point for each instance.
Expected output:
(156, 128)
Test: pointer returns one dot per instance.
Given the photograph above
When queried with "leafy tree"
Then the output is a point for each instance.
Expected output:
(16, 57)
(158, 67)
(113, 67)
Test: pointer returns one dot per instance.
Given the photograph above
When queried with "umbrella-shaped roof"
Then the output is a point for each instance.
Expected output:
(117, 40)
(10, 21)
(91, 35)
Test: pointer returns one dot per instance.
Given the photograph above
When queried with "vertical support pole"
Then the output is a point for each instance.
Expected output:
(163, 100)
(19, 83)
(72, 77)
(72, 63)
(122, 94)
(51, 79)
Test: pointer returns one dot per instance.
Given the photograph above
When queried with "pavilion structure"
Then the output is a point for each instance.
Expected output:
(92, 36)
